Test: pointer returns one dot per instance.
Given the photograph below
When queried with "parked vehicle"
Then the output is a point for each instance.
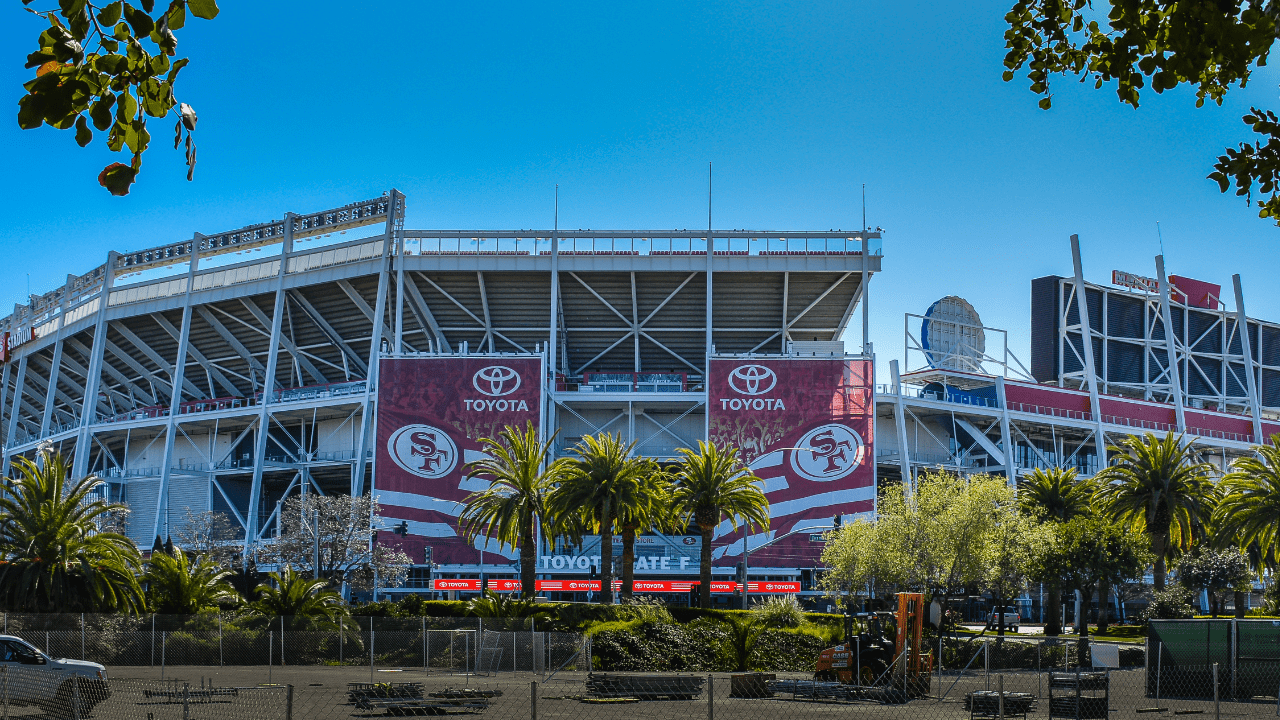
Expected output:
(1012, 619)
(61, 687)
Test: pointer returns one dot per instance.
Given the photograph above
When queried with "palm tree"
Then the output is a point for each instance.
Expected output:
(650, 509)
(305, 601)
(1054, 495)
(601, 483)
(55, 557)
(1249, 511)
(515, 504)
(181, 587)
(1155, 485)
(710, 485)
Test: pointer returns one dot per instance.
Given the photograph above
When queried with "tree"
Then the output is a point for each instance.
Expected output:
(601, 478)
(53, 557)
(210, 535)
(1054, 495)
(1210, 44)
(178, 586)
(1088, 553)
(1156, 486)
(509, 611)
(1008, 549)
(1249, 510)
(346, 555)
(111, 68)
(650, 509)
(711, 485)
(514, 505)
(1214, 571)
(303, 601)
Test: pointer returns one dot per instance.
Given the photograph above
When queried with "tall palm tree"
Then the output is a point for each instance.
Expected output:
(1155, 485)
(176, 585)
(650, 509)
(514, 505)
(305, 601)
(710, 485)
(55, 559)
(1249, 510)
(602, 482)
(1054, 495)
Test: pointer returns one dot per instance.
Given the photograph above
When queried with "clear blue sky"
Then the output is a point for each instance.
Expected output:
(476, 111)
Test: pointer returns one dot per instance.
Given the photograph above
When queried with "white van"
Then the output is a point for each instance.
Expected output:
(55, 685)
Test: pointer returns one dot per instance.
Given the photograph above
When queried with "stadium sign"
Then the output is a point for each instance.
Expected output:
(16, 338)
(642, 586)
(1135, 282)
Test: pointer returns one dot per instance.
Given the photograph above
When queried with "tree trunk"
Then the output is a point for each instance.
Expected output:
(999, 619)
(704, 568)
(1053, 612)
(1082, 643)
(606, 555)
(628, 560)
(1104, 606)
(1238, 599)
(1159, 546)
(528, 563)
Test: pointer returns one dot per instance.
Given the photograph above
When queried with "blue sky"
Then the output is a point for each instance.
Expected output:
(477, 110)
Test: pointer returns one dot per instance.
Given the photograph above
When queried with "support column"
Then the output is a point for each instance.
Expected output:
(55, 368)
(268, 391)
(1175, 379)
(80, 465)
(711, 252)
(553, 344)
(394, 219)
(1242, 327)
(900, 420)
(398, 240)
(175, 401)
(1006, 438)
(14, 412)
(866, 294)
(1086, 335)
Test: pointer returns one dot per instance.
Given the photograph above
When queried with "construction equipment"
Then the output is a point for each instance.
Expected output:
(883, 655)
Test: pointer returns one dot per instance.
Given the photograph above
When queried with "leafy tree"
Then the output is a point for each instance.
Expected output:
(1089, 553)
(744, 635)
(210, 535)
(346, 555)
(1009, 547)
(1155, 485)
(53, 557)
(514, 505)
(1214, 571)
(1054, 495)
(1208, 44)
(600, 483)
(649, 510)
(109, 65)
(178, 586)
(1249, 511)
(303, 602)
(1172, 603)
(711, 485)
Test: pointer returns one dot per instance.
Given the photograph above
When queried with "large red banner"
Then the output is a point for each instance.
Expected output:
(806, 428)
(432, 413)
(640, 586)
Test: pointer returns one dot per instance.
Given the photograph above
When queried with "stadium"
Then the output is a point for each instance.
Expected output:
(339, 352)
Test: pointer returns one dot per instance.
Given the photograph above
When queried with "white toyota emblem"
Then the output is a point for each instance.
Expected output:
(752, 379)
(833, 452)
(496, 380)
(423, 450)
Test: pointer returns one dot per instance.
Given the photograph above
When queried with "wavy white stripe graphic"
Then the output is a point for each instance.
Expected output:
(734, 548)
(420, 502)
(791, 507)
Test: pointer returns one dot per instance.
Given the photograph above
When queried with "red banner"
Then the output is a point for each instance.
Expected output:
(805, 426)
(432, 413)
(640, 586)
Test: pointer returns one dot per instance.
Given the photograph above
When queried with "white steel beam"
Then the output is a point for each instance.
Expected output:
(302, 358)
(214, 371)
(1242, 327)
(1175, 377)
(180, 369)
(395, 220)
(14, 412)
(1086, 333)
(900, 423)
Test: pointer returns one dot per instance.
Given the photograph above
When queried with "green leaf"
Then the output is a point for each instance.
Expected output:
(177, 15)
(121, 32)
(115, 138)
(117, 177)
(173, 71)
(110, 64)
(126, 107)
(136, 136)
(110, 45)
(83, 134)
(141, 22)
(110, 15)
(148, 5)
(39, 57)
(30, 112)
(205, 9)
(1045, 103)
(101, 111)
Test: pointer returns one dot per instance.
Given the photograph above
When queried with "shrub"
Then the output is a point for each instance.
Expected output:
(1172, 603)
(779, 611)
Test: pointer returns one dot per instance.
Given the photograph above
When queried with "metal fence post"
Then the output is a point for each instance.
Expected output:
(711, 697)
(533, 700)
(153, 639)
(164, 642)
(186, 701)
(82, 636)
(1159, 667)
(271, 648)
(75, 698)
(424, 644)
(1217, 708)
(986, 660)
(1000, 700)
(288, 702)
(281, 641)
(370, 649)
(342, 640)
(4, 677)
(220, 662)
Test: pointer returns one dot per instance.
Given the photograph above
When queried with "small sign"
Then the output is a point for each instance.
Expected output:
(1137, 282)
(818, 537)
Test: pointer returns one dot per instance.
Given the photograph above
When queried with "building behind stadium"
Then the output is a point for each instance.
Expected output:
(376, 357)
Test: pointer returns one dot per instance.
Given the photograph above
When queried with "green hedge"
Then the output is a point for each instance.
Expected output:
(699, 646)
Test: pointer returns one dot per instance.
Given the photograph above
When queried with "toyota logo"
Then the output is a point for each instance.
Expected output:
(496, 380)
(752, 379)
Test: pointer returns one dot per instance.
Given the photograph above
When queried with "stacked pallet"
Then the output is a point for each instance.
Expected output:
(645, 687)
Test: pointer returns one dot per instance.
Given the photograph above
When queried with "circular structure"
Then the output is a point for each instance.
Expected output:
(496, 380)
(423, 450)
(752, 379)
(835, 451)
(951, 335)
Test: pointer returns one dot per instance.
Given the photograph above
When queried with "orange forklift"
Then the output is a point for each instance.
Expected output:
(880, 657)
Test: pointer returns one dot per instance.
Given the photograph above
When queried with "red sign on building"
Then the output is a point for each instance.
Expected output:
(432, 413)
(805, 427)
(640, 586)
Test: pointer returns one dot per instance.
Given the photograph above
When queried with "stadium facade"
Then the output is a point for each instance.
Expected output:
(338, 352)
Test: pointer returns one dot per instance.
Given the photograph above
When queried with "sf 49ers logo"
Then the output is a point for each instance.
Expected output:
(830, 452)
(423, 450)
